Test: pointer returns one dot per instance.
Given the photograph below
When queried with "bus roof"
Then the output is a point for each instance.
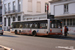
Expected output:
(36, 20)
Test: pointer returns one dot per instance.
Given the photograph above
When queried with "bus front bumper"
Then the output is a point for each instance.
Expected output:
(54, 33)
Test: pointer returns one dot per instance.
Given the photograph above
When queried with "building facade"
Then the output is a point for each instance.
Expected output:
(64, 10)
(19, 10)
(0, 12)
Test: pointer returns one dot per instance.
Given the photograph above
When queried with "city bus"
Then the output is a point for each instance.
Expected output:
(38, 27)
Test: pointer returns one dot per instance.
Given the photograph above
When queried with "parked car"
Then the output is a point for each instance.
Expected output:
(1, 30)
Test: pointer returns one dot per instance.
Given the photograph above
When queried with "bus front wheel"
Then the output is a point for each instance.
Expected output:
(34, 33)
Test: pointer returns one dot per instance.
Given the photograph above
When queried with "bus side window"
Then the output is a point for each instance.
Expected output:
(17, 25)
(43, 25)
(14, 25)
(38, 25)
(30, 25)
(35, 25)
(21, 26)
(26, 25)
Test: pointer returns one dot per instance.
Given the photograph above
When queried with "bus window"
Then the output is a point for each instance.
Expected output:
(35, 25)
(13, 25)
(20, 26)
(26, 26)
(43, 25)
(17, 25)
(30, 25)
(56, 24)
(52, 25)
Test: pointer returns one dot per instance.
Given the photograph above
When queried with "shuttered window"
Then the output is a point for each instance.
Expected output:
(29, 5)
(9, 21)
(19, 5)
(4, 21)
(38, 6)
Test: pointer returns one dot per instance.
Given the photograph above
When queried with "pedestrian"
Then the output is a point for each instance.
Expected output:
(65, 30)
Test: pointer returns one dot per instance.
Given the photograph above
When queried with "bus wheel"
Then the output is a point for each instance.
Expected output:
(15, 31)
(1, 33)
(34, 33)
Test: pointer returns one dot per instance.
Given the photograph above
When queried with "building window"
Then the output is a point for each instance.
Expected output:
(68, 22)
(5, 8)
(9, 7)
(73, 22)
(29, 5)
(64, 22)
(19, 5)
(0, 19)
(14, 6)
(38, 6)
(0, 8)
(65, 8)
(4, 21)
(13, 18)
(19, 18)
(9, 21)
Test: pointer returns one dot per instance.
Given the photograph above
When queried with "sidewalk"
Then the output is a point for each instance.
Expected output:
(7, 32)
(71, 35)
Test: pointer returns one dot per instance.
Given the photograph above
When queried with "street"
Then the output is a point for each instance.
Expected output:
(26, 42)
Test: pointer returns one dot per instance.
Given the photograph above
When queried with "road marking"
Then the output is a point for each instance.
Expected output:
(63, 47)
(6, 48)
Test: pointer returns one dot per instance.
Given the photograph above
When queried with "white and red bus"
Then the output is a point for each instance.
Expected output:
(38, 27)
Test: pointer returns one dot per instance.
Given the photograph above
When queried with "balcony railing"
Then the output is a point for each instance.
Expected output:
(11, 12)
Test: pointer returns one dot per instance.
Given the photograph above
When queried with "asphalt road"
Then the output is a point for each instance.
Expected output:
(25, 42)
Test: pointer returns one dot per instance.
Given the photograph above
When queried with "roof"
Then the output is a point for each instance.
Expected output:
(54, 1)
(57, 1)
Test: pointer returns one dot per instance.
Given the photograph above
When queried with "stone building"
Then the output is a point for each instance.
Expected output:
(64, 10)
(19, 10)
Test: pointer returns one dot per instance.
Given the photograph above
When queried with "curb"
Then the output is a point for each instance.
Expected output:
(5, 48)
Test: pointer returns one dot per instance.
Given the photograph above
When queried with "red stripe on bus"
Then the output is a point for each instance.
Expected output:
(41, 34)
(54, 33)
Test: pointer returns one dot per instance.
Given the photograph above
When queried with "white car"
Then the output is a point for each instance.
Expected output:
(1, 30)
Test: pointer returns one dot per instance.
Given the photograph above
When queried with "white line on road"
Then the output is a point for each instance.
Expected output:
(63, 47)
(6, 48)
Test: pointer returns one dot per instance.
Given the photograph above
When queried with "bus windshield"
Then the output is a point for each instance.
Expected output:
(55, 24)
